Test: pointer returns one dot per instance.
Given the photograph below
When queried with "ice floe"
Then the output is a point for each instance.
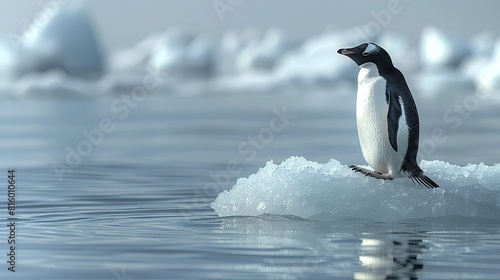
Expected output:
(332, 191)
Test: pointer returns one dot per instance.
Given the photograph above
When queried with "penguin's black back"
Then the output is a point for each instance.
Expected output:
(396, 85)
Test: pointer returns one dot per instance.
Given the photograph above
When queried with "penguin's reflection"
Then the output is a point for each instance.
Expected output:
(389, 259)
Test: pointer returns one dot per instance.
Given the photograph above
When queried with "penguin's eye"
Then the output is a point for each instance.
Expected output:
(370, 49)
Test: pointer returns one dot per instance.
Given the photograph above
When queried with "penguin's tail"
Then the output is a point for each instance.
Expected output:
(424, 181)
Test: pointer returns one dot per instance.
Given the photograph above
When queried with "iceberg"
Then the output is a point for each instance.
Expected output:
(331, 191)
(403, 53)
(174, 53)
(263, 54)
(231, 45)
(482, 44)
(6, 57)
(135, 57)
(67, 41)
(482, 47)
(247, 62)
(489, 77)
(54, 83)
(441, 50)
(316, 61)
(182, 54)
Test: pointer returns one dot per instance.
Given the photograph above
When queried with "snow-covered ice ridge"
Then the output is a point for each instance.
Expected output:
(332, 191)
(65, 55)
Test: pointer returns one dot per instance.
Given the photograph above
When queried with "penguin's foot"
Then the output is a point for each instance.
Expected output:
(374, 174)
(424, 181)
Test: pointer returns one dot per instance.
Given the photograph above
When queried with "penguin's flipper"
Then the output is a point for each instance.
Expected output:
(393, 116)
(370, 173)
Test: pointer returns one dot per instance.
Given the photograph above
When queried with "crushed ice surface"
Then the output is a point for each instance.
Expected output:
(332, 191)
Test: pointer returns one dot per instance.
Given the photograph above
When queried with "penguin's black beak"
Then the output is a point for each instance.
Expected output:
(347, 51)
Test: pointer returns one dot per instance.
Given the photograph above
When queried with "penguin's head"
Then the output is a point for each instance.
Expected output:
(368, 52)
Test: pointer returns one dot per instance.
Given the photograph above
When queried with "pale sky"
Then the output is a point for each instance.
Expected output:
(120, 23)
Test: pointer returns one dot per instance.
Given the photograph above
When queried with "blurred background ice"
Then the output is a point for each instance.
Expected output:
(101, 46)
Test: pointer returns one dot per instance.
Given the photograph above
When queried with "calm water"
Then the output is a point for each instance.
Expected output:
(136, 204)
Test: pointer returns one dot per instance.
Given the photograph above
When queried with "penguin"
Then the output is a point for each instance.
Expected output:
(386, 117)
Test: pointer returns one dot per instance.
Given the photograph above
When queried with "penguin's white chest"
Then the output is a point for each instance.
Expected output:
(371, 120)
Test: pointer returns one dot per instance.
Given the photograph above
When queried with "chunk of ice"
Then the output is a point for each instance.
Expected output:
(332, 191)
